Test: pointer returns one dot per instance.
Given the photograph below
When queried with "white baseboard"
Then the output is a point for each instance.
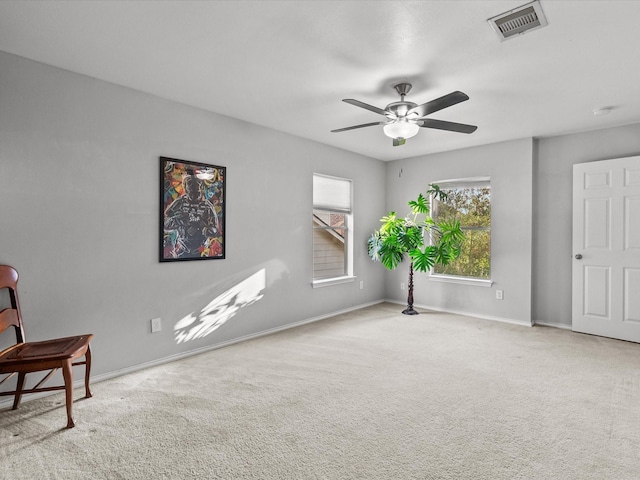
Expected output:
(563, 326)
(178, 356)
(522, 323)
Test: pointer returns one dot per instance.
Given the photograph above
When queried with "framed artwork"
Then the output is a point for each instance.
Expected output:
(192, 210)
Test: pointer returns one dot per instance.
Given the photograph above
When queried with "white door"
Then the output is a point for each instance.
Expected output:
(606, 248)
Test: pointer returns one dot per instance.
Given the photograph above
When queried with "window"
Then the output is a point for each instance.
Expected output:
(469, 201)
(331, 229)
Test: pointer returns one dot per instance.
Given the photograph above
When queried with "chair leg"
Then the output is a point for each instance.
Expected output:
(67, 373)
(87, 372)
(19, 386)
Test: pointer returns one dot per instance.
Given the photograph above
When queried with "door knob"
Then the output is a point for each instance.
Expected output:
(578, 257)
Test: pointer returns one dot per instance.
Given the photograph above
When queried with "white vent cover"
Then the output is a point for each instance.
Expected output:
(518, 21)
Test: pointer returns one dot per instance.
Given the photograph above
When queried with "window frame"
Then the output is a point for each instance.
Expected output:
(347, 211)
(469, 182)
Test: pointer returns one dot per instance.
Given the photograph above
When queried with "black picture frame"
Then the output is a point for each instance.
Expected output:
(192, 210)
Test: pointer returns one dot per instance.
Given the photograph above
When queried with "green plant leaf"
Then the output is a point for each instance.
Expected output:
(421, 205)
(373, 246)
(423, 260)
(391, 254)
(410, 237)
(451, 232)
(391, 224)
(435, 191)
(443, 254)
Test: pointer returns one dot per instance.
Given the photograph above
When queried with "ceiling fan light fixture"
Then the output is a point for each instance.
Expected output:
(401, 129)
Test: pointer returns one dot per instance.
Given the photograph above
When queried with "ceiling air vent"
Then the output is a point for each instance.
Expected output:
(518, 21)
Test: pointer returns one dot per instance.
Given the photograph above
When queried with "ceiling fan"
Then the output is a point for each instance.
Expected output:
(404, 119)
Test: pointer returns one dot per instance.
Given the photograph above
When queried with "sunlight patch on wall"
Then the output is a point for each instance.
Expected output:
(220, 309)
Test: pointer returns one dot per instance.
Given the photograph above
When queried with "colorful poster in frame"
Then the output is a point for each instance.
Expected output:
(192, 212)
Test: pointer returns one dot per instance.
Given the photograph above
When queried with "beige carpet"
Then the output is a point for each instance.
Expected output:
(367, 395)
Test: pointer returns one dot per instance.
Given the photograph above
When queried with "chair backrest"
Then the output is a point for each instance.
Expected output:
(11, 317)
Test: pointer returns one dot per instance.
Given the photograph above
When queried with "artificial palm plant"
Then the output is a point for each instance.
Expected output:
(417, 236)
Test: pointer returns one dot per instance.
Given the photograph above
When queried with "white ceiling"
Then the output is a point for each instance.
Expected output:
(288, 64)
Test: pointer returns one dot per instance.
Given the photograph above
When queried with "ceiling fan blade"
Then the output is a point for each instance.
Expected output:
(358, 126)
(451, 126)
(366, 106)
(438, 104)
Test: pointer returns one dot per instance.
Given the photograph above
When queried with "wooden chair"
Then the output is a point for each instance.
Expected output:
(27, 357)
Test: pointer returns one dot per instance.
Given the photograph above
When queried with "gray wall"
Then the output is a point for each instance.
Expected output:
(553, 173)
(509, 165)
(79, 200)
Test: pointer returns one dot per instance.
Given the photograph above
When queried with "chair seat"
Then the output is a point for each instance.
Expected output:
(48, 350)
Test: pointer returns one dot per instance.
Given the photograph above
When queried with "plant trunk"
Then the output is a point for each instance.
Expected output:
(409, 310)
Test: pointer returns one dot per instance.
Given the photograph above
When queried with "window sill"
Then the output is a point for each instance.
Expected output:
(325, 282)
(478, 282)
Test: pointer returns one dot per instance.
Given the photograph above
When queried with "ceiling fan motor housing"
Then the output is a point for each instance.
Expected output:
(400, 109)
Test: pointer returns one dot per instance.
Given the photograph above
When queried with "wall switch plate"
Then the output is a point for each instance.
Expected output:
(156, 325)
(499, 294)
(401, 285)
(361, 284)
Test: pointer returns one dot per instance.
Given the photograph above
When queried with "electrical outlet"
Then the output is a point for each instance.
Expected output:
(499, 294)
(361, 284)
(401, 285)
(156, 325)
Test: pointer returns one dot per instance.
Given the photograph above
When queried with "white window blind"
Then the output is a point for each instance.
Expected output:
(331, 193)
